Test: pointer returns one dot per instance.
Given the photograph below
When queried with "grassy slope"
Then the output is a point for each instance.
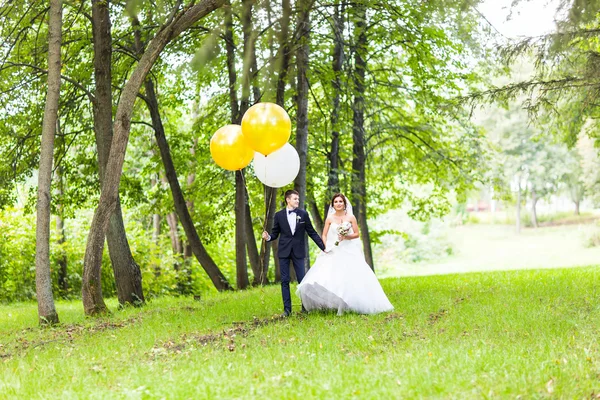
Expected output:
(501, 334)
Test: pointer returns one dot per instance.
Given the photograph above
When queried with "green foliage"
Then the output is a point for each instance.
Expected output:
(163, 272)
(421, 56)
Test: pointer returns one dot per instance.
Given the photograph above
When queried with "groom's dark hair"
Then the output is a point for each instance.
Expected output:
(289, 193)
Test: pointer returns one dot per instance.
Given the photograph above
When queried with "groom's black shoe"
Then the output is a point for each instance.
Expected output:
(285, 314)
(304, 310)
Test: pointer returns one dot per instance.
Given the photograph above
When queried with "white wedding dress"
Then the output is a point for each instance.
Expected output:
(342, 280)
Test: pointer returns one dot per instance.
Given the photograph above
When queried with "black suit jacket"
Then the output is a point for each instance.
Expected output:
(289, 243)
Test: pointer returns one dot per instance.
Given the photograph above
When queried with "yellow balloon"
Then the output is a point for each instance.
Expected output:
(229, 148)
(266, 127)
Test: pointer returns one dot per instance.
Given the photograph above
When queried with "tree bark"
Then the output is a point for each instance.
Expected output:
(260, 276)
(240, 240)
(577, 203)
(333, 183)
(359, 195)
(174, 234)
(302, 58)
(283, 58)
(110, 187)
(187, 247)
(230, 50)
(43, 280)
(316, 215)
(270, 209)
(63, 282)
(128, 277)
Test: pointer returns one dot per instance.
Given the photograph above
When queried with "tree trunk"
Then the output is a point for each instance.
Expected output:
(154, 181)
(534, 201)
(302, 57)
(110, 187)
(283, 58)
(230, 50)
(174, 234)
(63, 282)
(359, 195)
(236, 117)
(270, 209)
(260, 276)
(196, 245)
(186, 279)
(577, 202)
(333, 183)
(240, 240)
(248, 74)
(250, 48)
(316, 215)
(156, 237)
(43, 280)
(128, 277)
(283, 62)
(249, 56)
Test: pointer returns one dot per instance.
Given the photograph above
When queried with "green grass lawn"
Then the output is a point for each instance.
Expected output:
(483, 335)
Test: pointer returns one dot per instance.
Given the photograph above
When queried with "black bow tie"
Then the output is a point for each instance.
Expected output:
(291, 211)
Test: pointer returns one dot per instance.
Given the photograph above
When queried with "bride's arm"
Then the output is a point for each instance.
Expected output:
(326, 230)
(356, 233)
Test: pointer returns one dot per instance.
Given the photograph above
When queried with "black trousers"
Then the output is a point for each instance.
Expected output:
(284, 265)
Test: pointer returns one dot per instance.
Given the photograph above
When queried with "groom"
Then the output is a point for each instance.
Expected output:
(291, 224)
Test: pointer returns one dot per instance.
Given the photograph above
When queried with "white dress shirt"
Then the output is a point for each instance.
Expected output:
(291, 217)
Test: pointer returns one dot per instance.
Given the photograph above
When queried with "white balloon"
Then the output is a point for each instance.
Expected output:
(279, 168)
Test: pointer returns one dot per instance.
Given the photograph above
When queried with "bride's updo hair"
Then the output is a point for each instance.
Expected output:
(335, 196)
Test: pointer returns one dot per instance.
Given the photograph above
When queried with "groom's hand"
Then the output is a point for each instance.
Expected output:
(266, 235)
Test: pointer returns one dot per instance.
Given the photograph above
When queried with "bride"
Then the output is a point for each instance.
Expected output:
(340, 278)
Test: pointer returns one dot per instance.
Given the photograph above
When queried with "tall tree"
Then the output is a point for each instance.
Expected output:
(359, 159)
(333, 183)
(43, 282)
(302, 59)
(128, 277)
(63, 284)
(177, 22)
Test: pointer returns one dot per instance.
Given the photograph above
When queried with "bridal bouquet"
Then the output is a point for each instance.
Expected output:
(343, 230)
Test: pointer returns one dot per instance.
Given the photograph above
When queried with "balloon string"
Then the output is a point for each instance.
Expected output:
(268, 204)
(270, 198)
